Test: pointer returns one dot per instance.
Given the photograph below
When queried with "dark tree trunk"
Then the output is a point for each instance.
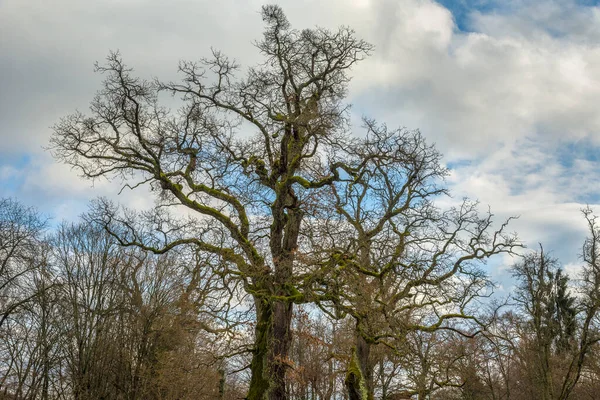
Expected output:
(259, 383)
(282, 338)
(272, 344)
(222, 382)
(363, 354)
(274, 313)
(355, 381)
(359, 379)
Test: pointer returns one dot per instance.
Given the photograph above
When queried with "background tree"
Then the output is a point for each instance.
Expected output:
(132, 320)
(401, 264)
(111, 322)
(541, 348)
(538, 295)
(25, 304)
(319, 355)
(555, 358)
(21, 234)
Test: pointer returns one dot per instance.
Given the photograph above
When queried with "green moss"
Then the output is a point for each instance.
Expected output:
(260, 383)
(355, 380)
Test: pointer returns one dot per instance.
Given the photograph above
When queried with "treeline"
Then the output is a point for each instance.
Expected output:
(83, 318)
(86, 318)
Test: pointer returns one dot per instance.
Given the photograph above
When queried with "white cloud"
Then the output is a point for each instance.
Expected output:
(573, 270)
(505, 97)
(472, 92)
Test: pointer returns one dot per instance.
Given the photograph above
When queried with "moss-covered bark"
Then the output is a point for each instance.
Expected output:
(365, 363)
(260, 383)
(355, 381)
(282, 338)
(272, 342)
(221, 383)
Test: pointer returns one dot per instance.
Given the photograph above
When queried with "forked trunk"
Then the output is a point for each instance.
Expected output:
(274, 317)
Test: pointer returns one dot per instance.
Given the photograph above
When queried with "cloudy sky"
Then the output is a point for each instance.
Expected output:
(509, 90)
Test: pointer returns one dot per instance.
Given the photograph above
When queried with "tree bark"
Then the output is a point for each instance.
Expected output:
(355, 380)
(272, 344)
(282, 319)
(259, 383)
(363, 353)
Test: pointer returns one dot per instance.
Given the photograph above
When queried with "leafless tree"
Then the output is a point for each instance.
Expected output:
(397, 263)
(21, 233)
(255, 163)
(540, 348)
(198, 158)
(131, 321)
(27, 308)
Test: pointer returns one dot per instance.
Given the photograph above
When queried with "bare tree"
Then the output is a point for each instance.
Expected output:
(257, 163)
(319, 355)
(27, 304)
(541, 348)
(198, 159)
(21, 231)
(131, 321)
(537, 295)
(398, 263)
(589, 307)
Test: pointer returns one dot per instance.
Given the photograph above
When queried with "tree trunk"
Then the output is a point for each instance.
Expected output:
(222, 382)
(274, 316)
(355, 380)
(282, 319)
(271, 347)
(259, 383)
(363, 355)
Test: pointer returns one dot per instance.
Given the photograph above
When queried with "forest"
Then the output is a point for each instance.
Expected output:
(289, 255)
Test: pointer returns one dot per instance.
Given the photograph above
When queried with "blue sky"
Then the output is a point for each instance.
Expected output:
(508, 90)
(462, 9)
